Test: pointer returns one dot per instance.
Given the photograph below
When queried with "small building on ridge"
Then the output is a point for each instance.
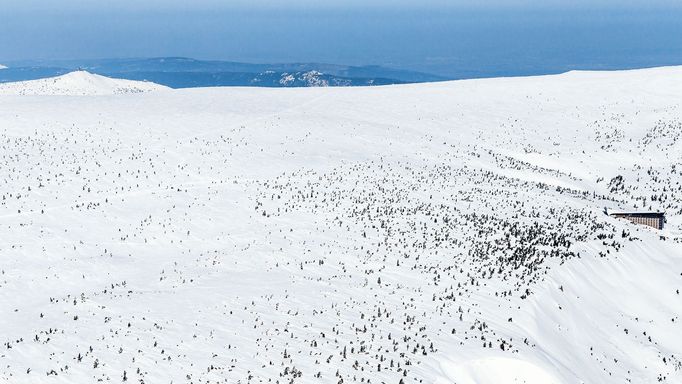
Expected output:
(650, 218)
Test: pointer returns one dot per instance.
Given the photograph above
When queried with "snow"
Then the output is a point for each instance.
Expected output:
(498, 370)
(621, 212)
(287, 79)
(78, 83)
(313, 79)
(436, 233)
(309, 79)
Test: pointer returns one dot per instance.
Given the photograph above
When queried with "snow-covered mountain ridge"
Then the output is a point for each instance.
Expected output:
(78, 83)
(436, 233)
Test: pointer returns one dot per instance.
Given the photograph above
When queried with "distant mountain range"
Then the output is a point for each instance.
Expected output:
(179, 72)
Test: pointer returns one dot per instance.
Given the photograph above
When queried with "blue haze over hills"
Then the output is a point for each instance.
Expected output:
(178, 72)
(362, 46)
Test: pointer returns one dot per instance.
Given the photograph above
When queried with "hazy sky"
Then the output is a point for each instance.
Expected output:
(308, 4)
(431, 35)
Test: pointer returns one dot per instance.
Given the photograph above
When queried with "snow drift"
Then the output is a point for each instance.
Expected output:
(78, 83)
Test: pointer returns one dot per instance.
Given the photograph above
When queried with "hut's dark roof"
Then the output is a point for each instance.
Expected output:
(635, 213)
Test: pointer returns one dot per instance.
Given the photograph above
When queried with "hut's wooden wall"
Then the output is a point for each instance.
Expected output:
(654, 222)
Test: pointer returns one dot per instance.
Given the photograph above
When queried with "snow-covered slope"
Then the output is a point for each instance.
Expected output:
(78, 83)
(448, 233)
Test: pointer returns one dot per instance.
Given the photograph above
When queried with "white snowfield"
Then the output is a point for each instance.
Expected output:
(433, 233)
(79, 83)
